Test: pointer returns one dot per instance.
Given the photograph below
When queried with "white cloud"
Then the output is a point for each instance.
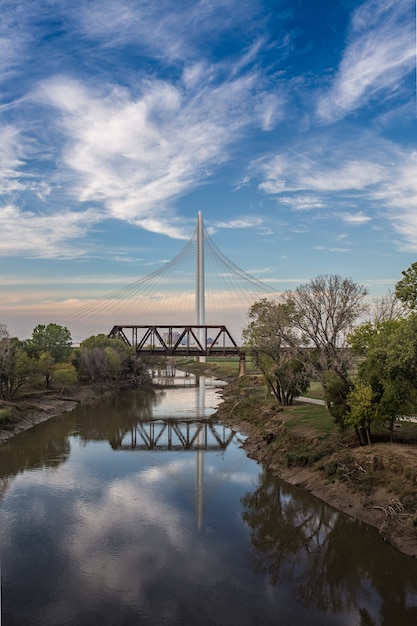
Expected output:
(135, 155)
(11, 159)
(270, 111)
(355, 218)
(343, 175)
(43, 236)
(244, 222)
(302, 202)
(323, 168)
(380, 52)
(173, 34)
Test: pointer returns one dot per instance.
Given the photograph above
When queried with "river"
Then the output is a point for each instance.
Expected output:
(142, 510)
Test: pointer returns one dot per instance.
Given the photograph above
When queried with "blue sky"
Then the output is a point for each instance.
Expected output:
(290, 124)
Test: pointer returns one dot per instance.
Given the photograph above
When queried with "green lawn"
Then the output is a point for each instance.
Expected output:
(310, 416)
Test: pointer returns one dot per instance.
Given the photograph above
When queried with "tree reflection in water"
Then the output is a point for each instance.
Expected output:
(333, 562)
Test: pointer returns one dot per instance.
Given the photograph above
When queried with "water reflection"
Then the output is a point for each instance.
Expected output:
(131, 511)
(142, 419)
(334, 564)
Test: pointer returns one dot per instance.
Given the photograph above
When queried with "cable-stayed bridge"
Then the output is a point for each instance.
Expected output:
(198, 301)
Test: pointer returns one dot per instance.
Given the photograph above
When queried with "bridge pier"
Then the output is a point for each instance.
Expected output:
(242, 365)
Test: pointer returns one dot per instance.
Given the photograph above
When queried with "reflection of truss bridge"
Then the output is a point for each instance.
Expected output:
(175, 435)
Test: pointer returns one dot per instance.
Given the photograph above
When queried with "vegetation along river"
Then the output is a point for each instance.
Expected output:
(143, 510)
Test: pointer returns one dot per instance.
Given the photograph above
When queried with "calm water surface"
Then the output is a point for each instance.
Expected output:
(141, 510)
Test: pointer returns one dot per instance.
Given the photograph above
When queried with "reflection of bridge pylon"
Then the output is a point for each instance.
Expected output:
(199, 461)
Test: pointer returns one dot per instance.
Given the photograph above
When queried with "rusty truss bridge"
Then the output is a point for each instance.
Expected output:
(198, 340)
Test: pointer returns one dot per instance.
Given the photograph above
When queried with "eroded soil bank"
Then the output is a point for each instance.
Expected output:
(376, 484)
(38, 406)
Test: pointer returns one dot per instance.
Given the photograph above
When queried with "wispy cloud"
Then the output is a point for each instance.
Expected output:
(355, 218)
(172, 34)
(43, 236)
(11, 161)
(343, 169)
(356, 179)
(302, 202)
(381, 50)
(136, 154)
(244, 222)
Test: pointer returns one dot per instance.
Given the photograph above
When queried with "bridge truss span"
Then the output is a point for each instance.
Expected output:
(197, 340)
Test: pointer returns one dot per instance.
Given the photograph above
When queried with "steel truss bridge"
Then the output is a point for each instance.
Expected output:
(174, 435)
(198, 340)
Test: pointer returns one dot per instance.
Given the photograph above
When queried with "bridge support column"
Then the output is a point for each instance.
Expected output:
(242, 365)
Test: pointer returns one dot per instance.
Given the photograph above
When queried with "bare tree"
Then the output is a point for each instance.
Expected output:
(388, 307)
(325, 311)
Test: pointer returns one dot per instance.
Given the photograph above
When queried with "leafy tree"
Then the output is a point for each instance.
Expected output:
(108, 361)
(362, 413)
(406, 288)
(52, 338)
(15, 366)
(270, 340)
(65, 374)
(389, 367)
(45, 365)
(336, 389)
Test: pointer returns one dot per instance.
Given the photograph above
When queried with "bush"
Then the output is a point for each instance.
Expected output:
(302, 456)
(65, 374)
(8, 417)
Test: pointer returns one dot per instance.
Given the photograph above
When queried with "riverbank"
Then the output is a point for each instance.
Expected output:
(36, 406)
(376, 484)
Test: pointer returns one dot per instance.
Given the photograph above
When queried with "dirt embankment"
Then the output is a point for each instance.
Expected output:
(39, 406)
(376, 484)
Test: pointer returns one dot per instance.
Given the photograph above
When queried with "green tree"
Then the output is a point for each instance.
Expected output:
(270, 339)
(65, 374)
(15, 366)
(45, 365)
(362, 413)
(406, 288)
(389, 367)
(51, 338)
(108, 361)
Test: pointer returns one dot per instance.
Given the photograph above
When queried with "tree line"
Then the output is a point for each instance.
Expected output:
(364, 356)
(48, 356)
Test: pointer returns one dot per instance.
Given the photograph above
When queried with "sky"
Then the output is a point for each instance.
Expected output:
(290, 124)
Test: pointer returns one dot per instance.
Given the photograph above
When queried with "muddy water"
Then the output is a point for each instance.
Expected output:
(142, 510)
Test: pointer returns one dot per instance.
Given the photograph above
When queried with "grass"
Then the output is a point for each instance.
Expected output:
(315, 391)
(226, 368)
(310, 416)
